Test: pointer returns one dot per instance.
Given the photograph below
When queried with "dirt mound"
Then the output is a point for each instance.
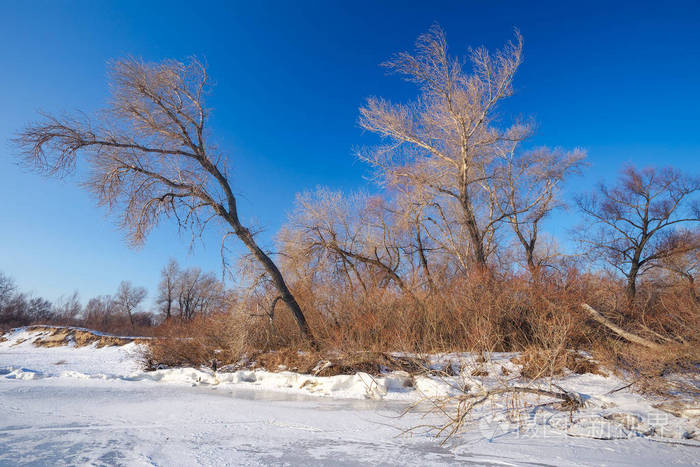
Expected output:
(56, 336)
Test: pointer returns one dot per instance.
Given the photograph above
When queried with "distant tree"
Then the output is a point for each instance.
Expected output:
(68, 308)
(8, 301)
(198, 293)
(20, 309)
(39, 310)
(631, 224)
(167, 288)
(149, 157)
(186, 292)
(128, 298)
(7, 290)
(100, 312)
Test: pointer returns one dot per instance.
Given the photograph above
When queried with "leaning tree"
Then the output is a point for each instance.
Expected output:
(148, 156)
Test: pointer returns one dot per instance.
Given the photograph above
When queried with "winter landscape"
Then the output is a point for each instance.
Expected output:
(349, 233)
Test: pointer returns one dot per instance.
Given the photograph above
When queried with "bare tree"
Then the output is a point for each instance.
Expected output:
(68, 308)
(411, 215)
(19, 309)
(446, 141)
(167, 288)
(8, 288)
(100, 312)
(128, 298)
(635, 218)
(197, 293)
(356, 234)
(149, 157)
(531, 185)
(186, 292)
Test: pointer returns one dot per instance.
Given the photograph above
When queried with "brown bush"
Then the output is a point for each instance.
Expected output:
(541, 317)
(475, 313)
(221, 337)
(664, 313)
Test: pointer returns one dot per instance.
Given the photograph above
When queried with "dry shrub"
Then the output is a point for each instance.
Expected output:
(287, 358)
(662, 313)
(356, 329)
(373, 363)
(480, 312)
(217, 339)
(653, 371)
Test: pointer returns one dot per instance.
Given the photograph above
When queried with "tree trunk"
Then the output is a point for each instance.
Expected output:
(231, 216)
(475, 236)
(277, 279)
(631, 289)
(423, 259)
(469, 218)
(618, 330)
(531, 262)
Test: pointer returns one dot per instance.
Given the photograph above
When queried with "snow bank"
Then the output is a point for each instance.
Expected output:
(610, 413)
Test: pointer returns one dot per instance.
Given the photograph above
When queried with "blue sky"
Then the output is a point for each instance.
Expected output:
(622, 81)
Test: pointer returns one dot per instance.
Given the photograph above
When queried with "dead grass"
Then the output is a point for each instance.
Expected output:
(537, 363)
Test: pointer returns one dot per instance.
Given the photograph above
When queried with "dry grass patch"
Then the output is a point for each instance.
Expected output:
(537, 363)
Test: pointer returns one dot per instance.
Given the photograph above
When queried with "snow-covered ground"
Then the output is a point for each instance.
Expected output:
(88, 405)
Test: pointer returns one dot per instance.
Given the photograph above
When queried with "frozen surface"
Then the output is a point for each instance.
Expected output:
(94, 406)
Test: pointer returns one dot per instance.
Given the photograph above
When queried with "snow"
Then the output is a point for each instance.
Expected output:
(89, 405)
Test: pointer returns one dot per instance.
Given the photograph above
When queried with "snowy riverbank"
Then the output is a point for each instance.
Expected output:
(95, 405)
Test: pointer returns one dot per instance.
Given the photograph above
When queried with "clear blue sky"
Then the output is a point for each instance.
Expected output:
(621, 80)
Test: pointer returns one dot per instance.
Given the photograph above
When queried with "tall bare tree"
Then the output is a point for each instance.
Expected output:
(635, 218)
(446, 141)
(148, 156)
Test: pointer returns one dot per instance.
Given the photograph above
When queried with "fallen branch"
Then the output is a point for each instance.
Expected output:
(457, 408)
(618, 330)
(572, 399)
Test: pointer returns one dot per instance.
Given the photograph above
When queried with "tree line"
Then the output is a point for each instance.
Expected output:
(182, 294)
